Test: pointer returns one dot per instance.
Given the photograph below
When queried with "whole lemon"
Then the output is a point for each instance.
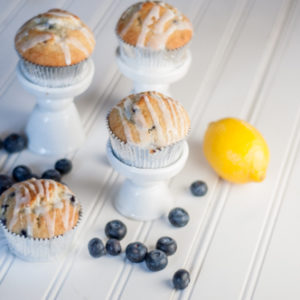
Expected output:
(236, 150)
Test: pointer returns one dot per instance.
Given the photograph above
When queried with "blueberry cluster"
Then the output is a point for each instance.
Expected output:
(115, 230)
(22, 172)
(137, 252)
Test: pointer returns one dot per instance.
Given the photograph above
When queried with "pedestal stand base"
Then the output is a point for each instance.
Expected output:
(54, 126)
(145, 195)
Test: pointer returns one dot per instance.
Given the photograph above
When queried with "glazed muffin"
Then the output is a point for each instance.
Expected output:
(38, 214)
(147, 129)
(154, 30)
(54, 42)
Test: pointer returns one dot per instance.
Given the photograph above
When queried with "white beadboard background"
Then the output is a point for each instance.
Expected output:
(243, 241)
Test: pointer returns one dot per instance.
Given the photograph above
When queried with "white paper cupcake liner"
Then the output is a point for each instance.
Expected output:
(138, 157)
(149, 58)
(39, 250)
(53, 76)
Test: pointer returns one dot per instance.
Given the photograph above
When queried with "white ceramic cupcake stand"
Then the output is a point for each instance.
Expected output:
(156, 79)
(54, 126)
(145, 194)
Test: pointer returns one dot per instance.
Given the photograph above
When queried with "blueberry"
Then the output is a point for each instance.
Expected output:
(23, 232)
(136, 252)
(63, 166)
(96, 247)
(178, 217)
(14, 143)
(1, 144)
(51, 174)
(21, 173)
(115, 229)
(5, 183)
(167, 245)
(156, 260)
(73, 199)
(181, 279)
(113, 247)
(198, 188)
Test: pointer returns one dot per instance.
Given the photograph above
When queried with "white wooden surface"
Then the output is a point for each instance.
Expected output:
(242, 241)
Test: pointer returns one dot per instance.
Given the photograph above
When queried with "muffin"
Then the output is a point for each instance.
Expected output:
(54, 48)
(153, 33)
(147, 130)
(38, 217)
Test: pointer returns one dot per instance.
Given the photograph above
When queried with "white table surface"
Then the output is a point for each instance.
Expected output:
(243, 241)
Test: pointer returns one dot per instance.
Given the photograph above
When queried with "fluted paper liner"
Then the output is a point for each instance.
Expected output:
(136, 156)
(53, 76)
(151, 58)
(38, 249)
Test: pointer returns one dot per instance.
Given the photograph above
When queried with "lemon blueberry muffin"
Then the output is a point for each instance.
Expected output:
(36, 211)
(147, 129)
(56, 41)
(154, 30)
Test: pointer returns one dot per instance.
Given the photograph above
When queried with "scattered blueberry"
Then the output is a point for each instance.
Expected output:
(14, 143)
(1, 144)
(167, 245)
(113, 247)
(115, 229)
(178, 217)
(199, 188)
(181, 279)
(156, 260)
(96, 248)
(51, 174)
(136, 252)
(5, 183)
(21, 173)
(63, 166)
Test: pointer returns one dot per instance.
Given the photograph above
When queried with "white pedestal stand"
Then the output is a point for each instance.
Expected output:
(154, 79)
(54, 126)
(145, 195)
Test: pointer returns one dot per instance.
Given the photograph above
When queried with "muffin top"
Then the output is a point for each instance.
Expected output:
(39, 208)
(155, 25)
(149, 120)
(55, 38)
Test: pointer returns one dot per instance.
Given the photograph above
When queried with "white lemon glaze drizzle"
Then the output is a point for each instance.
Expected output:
(149, 20)
(66, 51)
(170, 130)
(160, 25)
(19, 200)
(160, 135)
(30, 43)
(77, 44)
(175, 120)
(67, 214)
(141, 126)
(61, 14)
(88, 35)
(128, 25)
(159, 41)
(126, 128)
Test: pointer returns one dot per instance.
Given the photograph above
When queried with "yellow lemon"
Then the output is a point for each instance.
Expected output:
(236, 150)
